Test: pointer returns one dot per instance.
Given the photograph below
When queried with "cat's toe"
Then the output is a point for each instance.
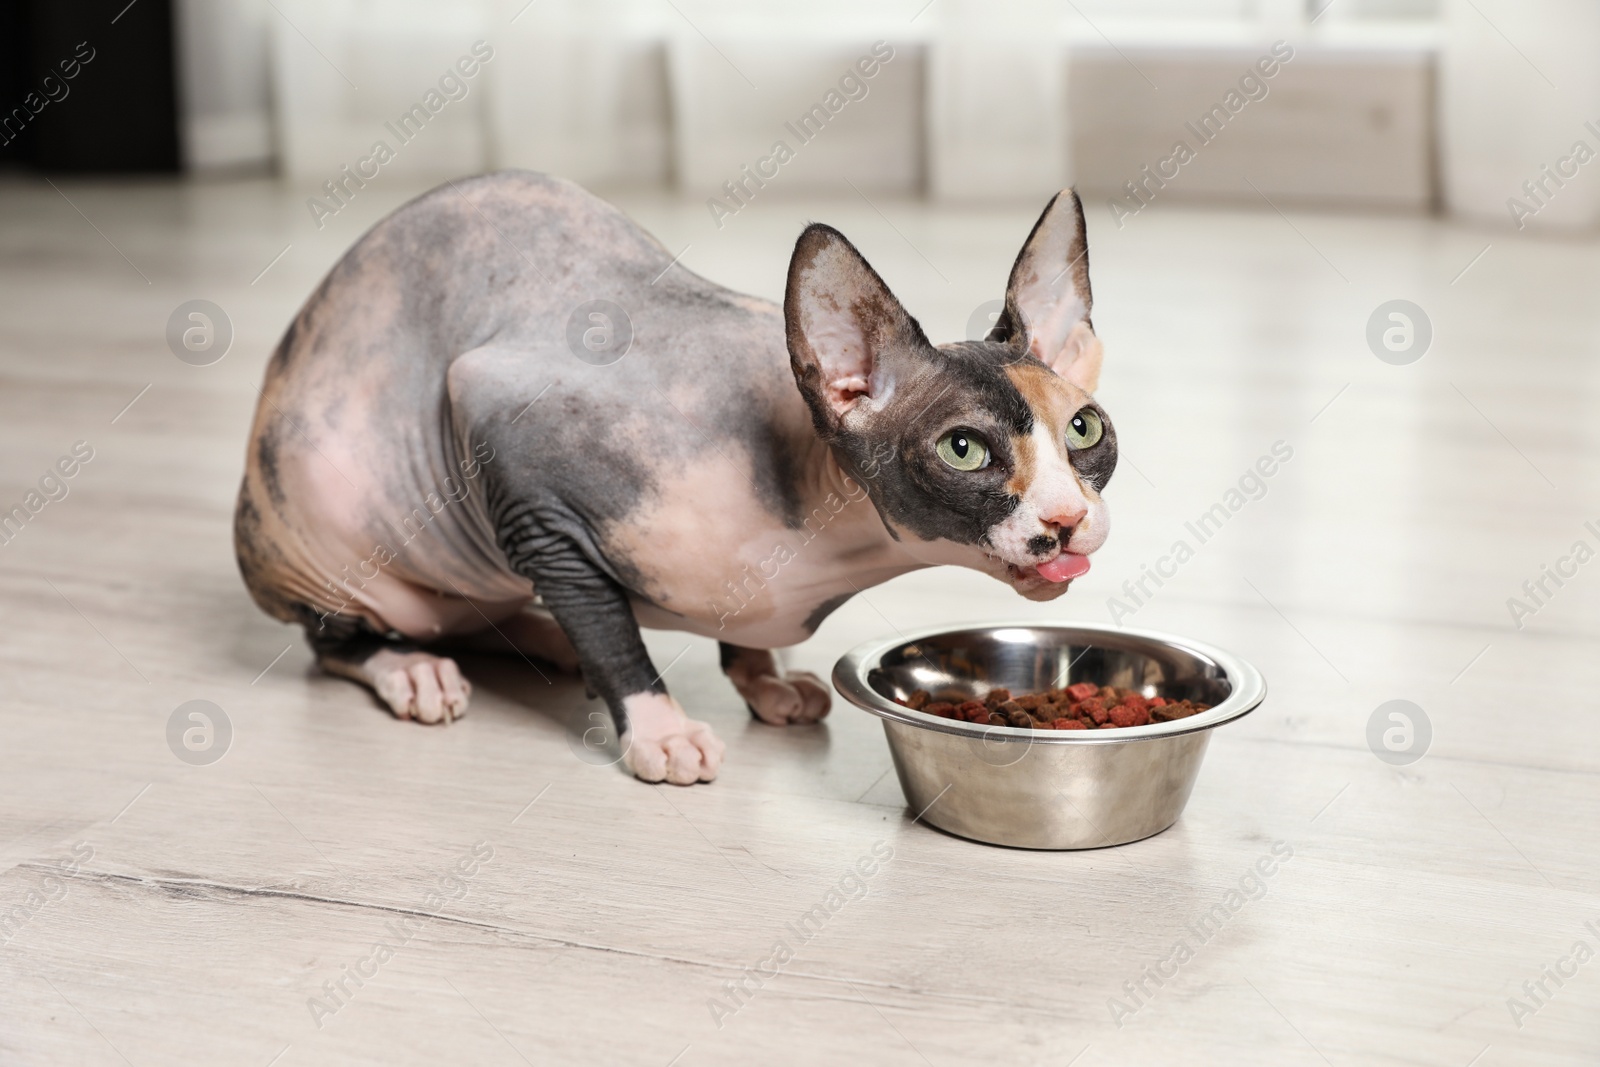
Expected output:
(419, 686)
(815, 697)
(665, 745)
(797, 698)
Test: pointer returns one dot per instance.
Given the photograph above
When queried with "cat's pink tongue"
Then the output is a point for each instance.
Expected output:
(1064, 568)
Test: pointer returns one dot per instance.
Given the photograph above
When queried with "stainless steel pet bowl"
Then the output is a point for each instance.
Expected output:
(1046, 788)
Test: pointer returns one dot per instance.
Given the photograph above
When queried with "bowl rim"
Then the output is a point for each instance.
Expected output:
(1249, 687)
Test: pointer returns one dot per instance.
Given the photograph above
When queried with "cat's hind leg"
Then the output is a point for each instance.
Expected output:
(413, 684)
(774, 695)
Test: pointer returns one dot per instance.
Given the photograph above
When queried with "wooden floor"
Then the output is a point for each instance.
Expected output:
(157, 912)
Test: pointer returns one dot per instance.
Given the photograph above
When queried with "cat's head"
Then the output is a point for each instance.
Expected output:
(988, 454)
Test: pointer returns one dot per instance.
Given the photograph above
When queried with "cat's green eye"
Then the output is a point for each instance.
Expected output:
(1085, 430)
(962, 450)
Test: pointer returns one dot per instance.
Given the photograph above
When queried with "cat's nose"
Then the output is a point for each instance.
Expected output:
(1065, 518)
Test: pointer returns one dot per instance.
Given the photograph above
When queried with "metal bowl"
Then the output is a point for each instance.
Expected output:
(1046, 788)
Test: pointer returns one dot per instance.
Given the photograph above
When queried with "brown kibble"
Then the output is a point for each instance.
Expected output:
(1080, 706)
(918, 699)
(1177, 709)
(1129, 715)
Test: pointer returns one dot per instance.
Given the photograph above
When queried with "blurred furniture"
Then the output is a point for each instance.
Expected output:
(1348, 120)
(982, 101)
(90, 87)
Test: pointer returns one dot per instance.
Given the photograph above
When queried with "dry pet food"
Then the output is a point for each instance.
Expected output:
(1082, 706)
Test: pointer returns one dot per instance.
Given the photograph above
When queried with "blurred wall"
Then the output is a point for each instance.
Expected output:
(975, 101)
(1520, 126)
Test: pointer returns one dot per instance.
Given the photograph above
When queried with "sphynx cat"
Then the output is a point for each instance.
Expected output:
(446, 449)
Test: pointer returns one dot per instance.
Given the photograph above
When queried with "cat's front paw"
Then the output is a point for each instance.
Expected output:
(662, 744)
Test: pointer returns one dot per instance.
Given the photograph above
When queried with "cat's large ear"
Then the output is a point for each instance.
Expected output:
(1048, 298)
(844, 327)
